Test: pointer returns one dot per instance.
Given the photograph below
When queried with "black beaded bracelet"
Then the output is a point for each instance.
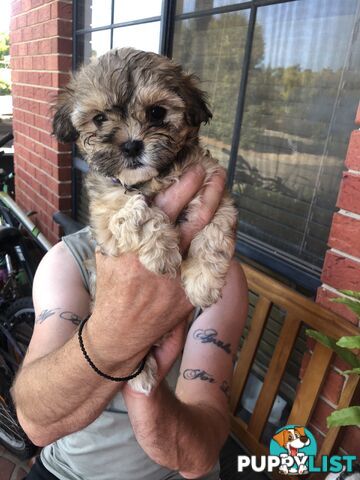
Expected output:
(94, 367)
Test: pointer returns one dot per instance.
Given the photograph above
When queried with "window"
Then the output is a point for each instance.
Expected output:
(105, 24)
(283, 92)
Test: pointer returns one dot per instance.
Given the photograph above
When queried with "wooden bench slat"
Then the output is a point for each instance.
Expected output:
(310, 387)
(311, 313)
(239, 428)
(274, 375)
(350, 391)
(248, 351)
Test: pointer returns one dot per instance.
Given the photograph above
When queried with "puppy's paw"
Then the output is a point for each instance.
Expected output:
(146, 381)
(164, 257)
(201, 287)
(159, 252)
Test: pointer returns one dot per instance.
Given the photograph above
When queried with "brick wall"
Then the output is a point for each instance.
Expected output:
(41, 47)
(342, 271)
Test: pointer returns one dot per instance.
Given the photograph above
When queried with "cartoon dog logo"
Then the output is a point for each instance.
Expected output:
(292, 439)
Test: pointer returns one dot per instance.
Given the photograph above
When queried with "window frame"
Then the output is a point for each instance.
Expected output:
(299, 272)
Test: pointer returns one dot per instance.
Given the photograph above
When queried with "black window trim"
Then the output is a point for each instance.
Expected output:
(301, 273)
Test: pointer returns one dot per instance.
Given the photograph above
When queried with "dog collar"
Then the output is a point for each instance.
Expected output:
(128, 188)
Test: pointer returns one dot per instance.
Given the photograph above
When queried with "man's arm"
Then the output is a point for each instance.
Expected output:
(186, 431)
(56, 392)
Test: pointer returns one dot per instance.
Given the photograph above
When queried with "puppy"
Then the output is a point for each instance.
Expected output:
(135, 117)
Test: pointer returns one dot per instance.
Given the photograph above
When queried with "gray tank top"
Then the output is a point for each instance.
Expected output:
(107, 448)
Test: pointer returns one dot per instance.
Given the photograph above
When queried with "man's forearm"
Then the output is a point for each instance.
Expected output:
(59, 394)
(185, 438)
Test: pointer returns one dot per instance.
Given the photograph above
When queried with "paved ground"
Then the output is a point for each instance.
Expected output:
(11, 468)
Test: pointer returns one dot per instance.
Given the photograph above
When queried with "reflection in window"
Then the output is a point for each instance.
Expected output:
(143, 37)
(93, 13)
(92, 45)
(213, 47)
(125, 11)
(186, 6)
(300, 103)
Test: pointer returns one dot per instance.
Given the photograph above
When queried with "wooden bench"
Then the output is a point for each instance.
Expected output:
(299, 310)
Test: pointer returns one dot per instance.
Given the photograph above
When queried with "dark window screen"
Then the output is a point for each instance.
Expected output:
(299, 99)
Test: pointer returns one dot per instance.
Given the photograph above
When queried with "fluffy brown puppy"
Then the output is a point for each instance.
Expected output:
(135, 117)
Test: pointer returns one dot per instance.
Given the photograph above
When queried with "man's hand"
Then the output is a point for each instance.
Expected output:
(173, 201)
(56, 392)
(133, 314)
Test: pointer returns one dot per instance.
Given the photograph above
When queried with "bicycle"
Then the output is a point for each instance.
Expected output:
(21, 247)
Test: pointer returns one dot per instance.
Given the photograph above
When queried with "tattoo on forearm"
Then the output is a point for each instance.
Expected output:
(209, 336)
(225, 388)
(45, 314)
(71, 317)
(65, 315)
(194, 373)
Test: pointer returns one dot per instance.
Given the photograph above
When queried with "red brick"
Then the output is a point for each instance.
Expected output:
(65, 203)
(333, 386)
(320, 414)
(17, 36)
(349, 195)
(59, 80)
(357, 118)
(57, 26)
(61, 10)
(62, 174)
(340, 272)
(52, 63)
(353, 154)
(26, 5)
(23, 49)
(325, 297)
(62, 45)
(44, 13)
(15, 7)
(345, 234)
(38, 3)
(351, 441)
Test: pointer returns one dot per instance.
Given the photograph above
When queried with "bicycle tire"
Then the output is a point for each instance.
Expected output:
(20, 317)
(12, 436)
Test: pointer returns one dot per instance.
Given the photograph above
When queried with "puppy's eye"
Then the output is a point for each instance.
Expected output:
(99, 119)
(156, 114)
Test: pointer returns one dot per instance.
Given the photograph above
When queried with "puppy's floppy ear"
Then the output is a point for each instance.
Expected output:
(63, 127)
(197, 110)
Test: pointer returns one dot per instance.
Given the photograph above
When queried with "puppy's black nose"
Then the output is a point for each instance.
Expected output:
(132, 148)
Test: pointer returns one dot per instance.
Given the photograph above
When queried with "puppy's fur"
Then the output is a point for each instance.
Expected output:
(135, 116)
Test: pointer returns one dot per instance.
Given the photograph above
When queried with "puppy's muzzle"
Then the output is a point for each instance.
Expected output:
(132, 148)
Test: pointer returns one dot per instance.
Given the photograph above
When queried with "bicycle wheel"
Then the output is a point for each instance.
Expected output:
(20, 317)
(12, 436)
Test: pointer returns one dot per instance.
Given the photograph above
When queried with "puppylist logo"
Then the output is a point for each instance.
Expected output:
(293, 451)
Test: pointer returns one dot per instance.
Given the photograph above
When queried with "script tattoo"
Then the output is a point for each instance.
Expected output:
(71, 317)
(225, 387)
(209, 336)
(45, 314)
(65, 315)
(193, 374)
